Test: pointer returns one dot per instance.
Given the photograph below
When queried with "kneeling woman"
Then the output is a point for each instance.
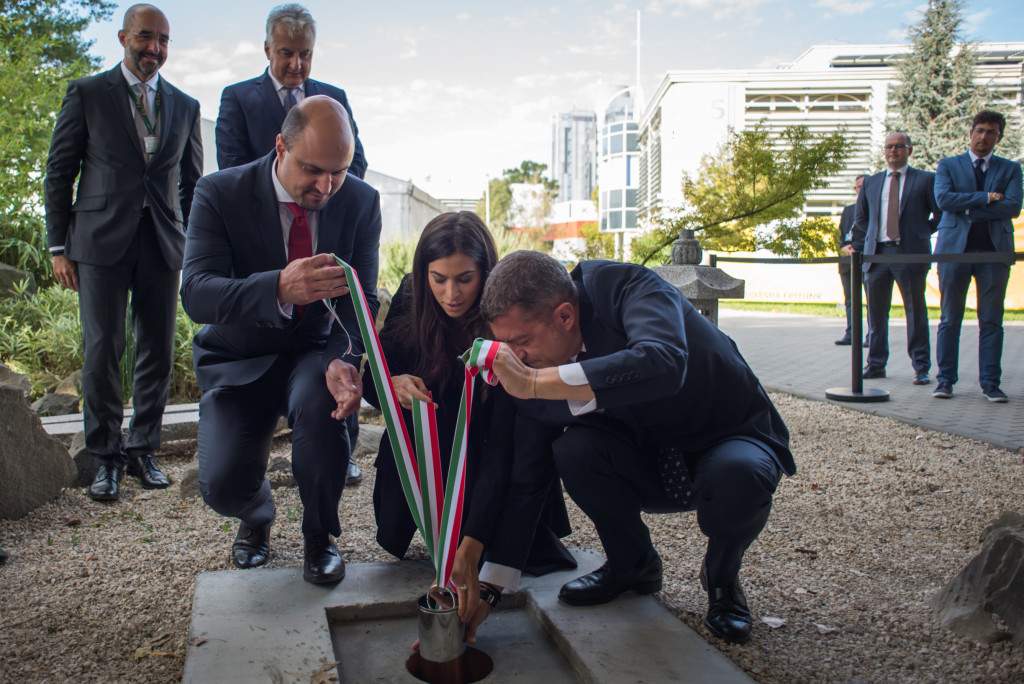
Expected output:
(434, 317)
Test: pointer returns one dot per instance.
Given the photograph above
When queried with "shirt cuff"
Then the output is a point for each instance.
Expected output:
(572, 374)
(285, 309)
(56, 250)
(501, 575)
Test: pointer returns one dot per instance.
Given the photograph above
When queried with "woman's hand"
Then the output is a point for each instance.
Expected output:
(466, 576)
(407, 387)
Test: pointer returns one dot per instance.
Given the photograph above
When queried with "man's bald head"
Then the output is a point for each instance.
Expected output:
(314, 150)
(132, 12)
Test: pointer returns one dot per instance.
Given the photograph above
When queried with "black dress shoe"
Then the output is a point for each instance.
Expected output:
(355, 475)
(870, 373)
(251, 547)
(148, 472)
(728, 616)
(106, 485)
(844, 341)
(602, 585)
(323, 564)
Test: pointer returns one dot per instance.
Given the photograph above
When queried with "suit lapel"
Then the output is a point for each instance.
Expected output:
(117, 89)
(268, 217)
(270, 98)
(967, 168)
(166, 113)
(908, 187)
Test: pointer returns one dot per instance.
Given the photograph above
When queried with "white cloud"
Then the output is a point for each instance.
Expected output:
(846, 6)
(407, 36)
(897, 35)
(462, 16)
(973, 21)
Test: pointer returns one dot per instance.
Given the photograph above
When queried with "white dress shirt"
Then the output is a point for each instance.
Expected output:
(883, 208)
(287, 217)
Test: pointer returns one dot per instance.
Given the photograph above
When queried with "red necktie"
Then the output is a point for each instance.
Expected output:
(892, 220)
(300, 242)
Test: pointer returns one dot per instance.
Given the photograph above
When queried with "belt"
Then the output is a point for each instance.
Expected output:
(891, 243)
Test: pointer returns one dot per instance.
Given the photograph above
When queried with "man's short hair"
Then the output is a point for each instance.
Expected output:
(297, 119)
(859, 176)
(987, 116)
(905, 135)
(294, 17)
(533, 281)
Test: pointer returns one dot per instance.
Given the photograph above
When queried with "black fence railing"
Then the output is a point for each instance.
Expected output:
(856, 393)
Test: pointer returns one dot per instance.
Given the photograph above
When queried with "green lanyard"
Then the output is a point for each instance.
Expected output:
(140, 106)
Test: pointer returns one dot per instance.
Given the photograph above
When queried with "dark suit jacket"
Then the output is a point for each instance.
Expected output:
(233, 256)
(919, 215)
(662, 375)
(251, 115)
(845, 232)
(95, 141)
(956, 193)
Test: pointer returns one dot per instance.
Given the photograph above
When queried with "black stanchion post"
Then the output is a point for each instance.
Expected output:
(856, 392)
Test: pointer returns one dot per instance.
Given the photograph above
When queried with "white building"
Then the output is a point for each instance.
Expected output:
(574, 154)
(617, 173)
(827, 87)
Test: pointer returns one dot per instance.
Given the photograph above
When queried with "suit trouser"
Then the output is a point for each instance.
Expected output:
(879, 282)
(612, 481)
(236, 426)
(103, 295)
(954, 281)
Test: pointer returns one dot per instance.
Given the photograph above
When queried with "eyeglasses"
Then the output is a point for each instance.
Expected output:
(148, 37)
(890, 148)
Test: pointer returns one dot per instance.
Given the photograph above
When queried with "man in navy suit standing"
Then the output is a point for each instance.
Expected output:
(257, 264)
(641, 405)
(251, 112)
(897, 214)
(124, 159)
(980, 195)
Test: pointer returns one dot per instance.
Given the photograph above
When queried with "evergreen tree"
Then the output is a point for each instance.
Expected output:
(937, 94)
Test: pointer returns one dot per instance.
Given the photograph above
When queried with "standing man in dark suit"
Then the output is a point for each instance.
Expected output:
(845, 241)
(640, 404)
(251, 112)
(896, 214)
(257, 264)
(980, 194)
(132, 140)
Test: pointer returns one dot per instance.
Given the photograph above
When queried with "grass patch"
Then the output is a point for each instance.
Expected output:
(820, 309)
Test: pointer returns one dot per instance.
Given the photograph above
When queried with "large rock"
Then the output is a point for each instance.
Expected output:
(16, 381)
(70, 385)
(55, 405)
(369, 440)
(188, 483)
(989, 588)
(34, 467)
(85, 464)
(10, 277)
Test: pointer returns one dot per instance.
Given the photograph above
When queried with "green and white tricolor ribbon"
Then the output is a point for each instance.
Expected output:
(438, 518)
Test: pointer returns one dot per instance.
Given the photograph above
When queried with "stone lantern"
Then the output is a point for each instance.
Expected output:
(702, 285)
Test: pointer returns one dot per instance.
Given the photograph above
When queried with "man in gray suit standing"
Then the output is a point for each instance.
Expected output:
(132, 141)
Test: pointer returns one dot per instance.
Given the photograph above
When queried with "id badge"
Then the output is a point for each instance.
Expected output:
(151, 143)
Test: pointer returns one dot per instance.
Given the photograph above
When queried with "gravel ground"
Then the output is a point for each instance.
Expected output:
(879, 517)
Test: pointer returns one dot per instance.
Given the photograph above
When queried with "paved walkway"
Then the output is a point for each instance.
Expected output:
(795, 354)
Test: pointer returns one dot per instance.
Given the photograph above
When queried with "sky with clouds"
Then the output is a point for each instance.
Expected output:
(447, 93)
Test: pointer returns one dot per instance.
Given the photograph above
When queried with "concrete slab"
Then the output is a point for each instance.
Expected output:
(271, 626)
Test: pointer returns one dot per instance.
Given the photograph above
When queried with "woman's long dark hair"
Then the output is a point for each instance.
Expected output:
(439, 337)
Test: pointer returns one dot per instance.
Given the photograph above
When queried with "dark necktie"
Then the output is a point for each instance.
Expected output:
(892, 219)
(300, 242)
(289, 100)
(979, 174)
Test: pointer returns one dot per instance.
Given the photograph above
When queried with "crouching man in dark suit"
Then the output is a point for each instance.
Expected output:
(257, 263)
(641, 405)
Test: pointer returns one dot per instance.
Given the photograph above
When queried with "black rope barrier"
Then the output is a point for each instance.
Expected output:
(856, 392)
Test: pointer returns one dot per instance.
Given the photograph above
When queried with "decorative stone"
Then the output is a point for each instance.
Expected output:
(55, 405)
(70, 385)
(34, 467)
(85, 464)
(703, 286)
(188, 483)
(369, 440)
(11, 277)
(989, 588)
(16, 381)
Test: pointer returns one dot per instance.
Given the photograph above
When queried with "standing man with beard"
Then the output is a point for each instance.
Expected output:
(132, 141)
